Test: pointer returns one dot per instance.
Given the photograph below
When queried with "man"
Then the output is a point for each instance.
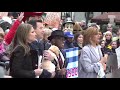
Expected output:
(38, 45)
(69, 40)
(39, 30)
(57, 39)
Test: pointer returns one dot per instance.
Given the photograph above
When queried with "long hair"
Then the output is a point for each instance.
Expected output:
(20, 38)
(89, 34)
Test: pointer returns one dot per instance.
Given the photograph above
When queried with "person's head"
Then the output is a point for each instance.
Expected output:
(78, 37)
(57, 38)
(114, 44)
(25, 34)
(108, 35)
(47, 33)
(100, 34)
(77, 27)
(69, 37)
(83, 23)
(91, 36)
(109, 27)
(5, 25)
(118, 32)
(102, 43)
(10, 15)
(38, 27)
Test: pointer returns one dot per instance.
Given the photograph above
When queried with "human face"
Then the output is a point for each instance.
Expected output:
(108, 36)
(95, 38)
(70, 40)
(114, 45)
(68, 27)
(40, 30)
(31, 36)
(109, 28)
(103, 44)
(100, 34)
(118, 33)
(59, 42)
(80, 39)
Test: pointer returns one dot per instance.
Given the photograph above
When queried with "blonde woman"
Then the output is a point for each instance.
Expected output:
(91, 62)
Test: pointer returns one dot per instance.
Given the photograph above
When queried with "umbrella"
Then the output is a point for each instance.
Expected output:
(103, 18)
(29, 14)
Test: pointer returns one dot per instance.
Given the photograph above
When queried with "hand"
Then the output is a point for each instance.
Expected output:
(21, 16)
(104, 66)
(47, 55)
(62, 71)
(53, 75)
(104, 59)
(106, 56)
(38, 72)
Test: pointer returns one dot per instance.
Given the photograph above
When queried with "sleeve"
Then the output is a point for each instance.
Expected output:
(45, 74)
(16, 65)
(86, 63)
(11, 33)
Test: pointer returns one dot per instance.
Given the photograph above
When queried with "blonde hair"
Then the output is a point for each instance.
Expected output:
(108, 32)
(47, 33)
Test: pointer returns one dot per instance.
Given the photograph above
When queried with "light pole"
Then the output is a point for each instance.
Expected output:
(88, 16)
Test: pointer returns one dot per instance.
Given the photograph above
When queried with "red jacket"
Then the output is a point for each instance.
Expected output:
(9, 36)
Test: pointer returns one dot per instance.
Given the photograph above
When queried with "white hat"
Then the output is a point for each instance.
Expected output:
(7, 19)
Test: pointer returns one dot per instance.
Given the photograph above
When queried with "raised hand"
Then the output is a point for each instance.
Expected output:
(21, 16)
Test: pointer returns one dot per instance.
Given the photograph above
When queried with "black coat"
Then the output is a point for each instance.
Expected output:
(76, 45)
(37, 46)
(23, 66)
(68, 45)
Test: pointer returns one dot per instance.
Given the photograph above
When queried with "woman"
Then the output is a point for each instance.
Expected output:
(24, 60)
(108, 40)
(91, 63)
(78, 40)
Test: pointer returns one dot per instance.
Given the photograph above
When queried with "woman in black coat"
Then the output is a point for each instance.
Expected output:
(78, 40)
(24, 60)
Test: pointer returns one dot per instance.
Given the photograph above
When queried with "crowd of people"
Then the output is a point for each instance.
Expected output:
(22, 44)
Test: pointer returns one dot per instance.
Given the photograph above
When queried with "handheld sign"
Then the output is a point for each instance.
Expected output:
(72, 59)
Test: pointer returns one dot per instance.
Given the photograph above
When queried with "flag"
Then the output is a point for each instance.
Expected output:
(72, 59)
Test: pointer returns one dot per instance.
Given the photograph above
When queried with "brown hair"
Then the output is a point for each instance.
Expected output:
(21, 35)
(77, 35)
(88, 34)
(76, 28)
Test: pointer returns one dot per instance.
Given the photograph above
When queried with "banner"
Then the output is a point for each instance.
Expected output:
(72, 58)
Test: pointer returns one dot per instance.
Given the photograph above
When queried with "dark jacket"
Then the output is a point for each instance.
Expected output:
(23, 66)
(45, 44)
(68, 45)
(76, 45)
(38, 47)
